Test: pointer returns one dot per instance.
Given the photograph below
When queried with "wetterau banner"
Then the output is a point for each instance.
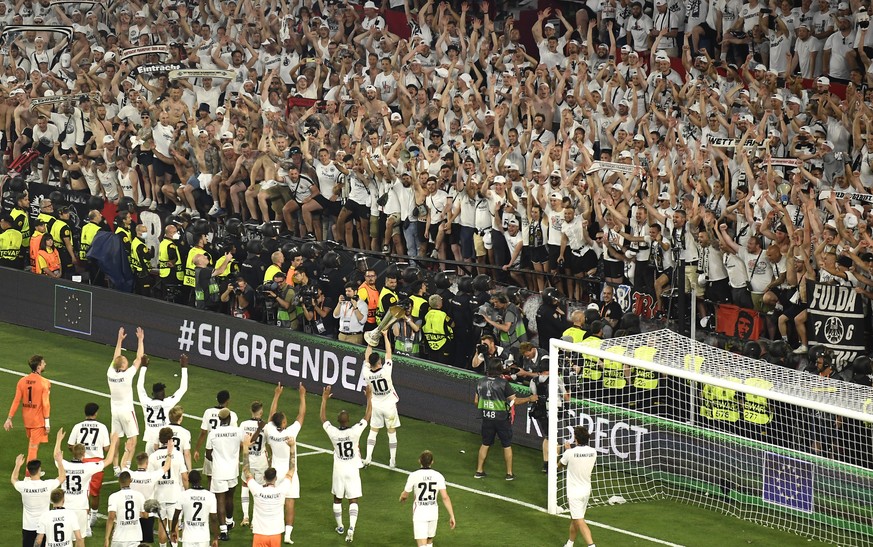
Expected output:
(144, 50)
(428, 391)
(724, 142)
(836, 320)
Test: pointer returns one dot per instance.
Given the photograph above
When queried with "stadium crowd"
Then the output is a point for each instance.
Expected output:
(721, 149)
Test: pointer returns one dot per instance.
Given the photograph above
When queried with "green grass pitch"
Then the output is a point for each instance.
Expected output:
(489, 510)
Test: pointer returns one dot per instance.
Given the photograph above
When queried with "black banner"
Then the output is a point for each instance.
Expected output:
(836, 320)
(428, 391)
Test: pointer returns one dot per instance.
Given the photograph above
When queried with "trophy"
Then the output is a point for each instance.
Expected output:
(393, 314)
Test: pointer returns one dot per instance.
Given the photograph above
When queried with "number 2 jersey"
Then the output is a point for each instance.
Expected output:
(424, 485)
(197, 504)
(381, 383)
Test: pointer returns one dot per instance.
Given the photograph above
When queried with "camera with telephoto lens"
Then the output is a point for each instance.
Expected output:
(306, 295)
(485, 310)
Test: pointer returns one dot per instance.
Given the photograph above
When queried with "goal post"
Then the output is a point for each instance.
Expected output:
(672, 418)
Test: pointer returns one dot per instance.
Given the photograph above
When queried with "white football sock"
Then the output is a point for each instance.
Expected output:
(244, 497)
(353, 515)
(338, 513)
(371, 444)
(392, 445)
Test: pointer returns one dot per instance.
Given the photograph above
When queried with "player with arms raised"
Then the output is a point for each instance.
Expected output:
(94, 436)
(377, 373)
(78, 477)
(36, 492)
(280, 437)
(120, 377)
(257, 455)
(268, 516)
(346, 461)
(579, 461)
(424, 485)
(169, 487)
(32, 392)
(156, 408)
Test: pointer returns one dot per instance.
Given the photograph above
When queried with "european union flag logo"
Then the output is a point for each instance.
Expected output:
(73, 311)
(788, 482)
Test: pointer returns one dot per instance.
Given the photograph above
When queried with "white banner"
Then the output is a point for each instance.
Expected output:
(39, 101)
(825, 194)
(722, 142)
(786, 162)
(144, 50)
(201, 73)
(627, 168)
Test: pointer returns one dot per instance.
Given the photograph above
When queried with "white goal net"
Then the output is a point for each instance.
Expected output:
(679, 419)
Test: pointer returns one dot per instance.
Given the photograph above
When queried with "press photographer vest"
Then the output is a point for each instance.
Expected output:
(189, 279)
(372, 297)
(89, 230)
(52, 260)
(515, 334)
(407, 341)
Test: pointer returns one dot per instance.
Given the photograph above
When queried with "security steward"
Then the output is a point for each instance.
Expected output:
(369, 293)
(62, 233)
(276, 259)
(198, 248)
(86, 239)
(10, 242)
(141, 262)
(418, 297)
(39, 229)
(575, 331)
(646, 383)
(388, 295)
(170, 270)
(123, 223)
(438, 331)
(21, 221)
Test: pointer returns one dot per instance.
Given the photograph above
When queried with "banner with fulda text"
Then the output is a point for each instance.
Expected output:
(836, 321)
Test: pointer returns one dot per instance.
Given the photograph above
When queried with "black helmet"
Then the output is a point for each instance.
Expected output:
(392, 272)
(311, 250)
(223, 246)
(465, 284)
(862, 365)
(551, 296)
(442, 281)
(233, 226)
(290, 250)
(752, 349)
(124, 204)
(58, 199)
(411, 274)
(777, 351)
(171, 219)
(361, 261)
(821, 352)
(268, 230)
(200, 226)
(95, 202)
(254, 247)
(17, 184)
(513, 294)
(331, 259)
(270, 245)
(482, 283)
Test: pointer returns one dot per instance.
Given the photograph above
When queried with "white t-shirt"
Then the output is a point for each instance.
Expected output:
(346, 452)
(127, 504)
(257, 450)
(92, 434)
(36, 499)
(169, 486)
(268, 517)
(425, 486)
(197, 504)
(59, 526)
(144, 481)
(181, 438)
(210, 419)
(279, 449)
(224, 441)
(381, 383)
(121, 388)
(76, 482)
(156, 411)
(579, 462)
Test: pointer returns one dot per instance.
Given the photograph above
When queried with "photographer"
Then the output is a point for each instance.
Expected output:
(352, 314)
(316, 308)
(507, 321)
(283, 294)
(539, 411)
(241, 297)
(487, 349)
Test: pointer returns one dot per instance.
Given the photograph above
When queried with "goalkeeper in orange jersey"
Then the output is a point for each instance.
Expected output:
(32, 393)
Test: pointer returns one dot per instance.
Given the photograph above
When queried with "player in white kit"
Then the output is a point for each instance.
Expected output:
(144, 481)
(222, 449)
(377, 373)
(208, 423)
(198, 513)
(59, 524)
(279, 437)
(257, 455)
(268, 516)
(579, 461)
(424, 485)
(181, 436)
(78, 477)
(120, 377)
(169, 487)
(156, 408)
(36, 492)
(347, 463)
(95, 436)
(125, 509)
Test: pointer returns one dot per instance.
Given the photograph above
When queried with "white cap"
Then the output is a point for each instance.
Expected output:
(227, 135)
(794, 99)
(466, 78)
(842, 6)
(850, 220)
(511, 167)
(512, 221)
(108, 138)
(550, 25)
(16, 91)
(48, 93)
(556, 195)
(109, 56)
(829, 144)
(625, 49)
(823, 80)
(140, 13)
(489, 113)
(639, 137)
(617, 186)
(659, 3)
(625, 154)
(395, 116)
(663, 196)
(220, 110)
(662, 172)
(555, 173)
(593, 306)
(499, 179)
(370, 5)
(661, 56)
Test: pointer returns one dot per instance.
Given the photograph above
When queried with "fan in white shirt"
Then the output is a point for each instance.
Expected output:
(346, 461)
(157, 407)
(280, 438)
(579, 461)
(36, 493)
(222, 449)
(120, 377)
(197, 513)
(424, 485)
(61, 523)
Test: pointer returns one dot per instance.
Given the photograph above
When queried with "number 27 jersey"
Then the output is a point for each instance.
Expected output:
(381, 383)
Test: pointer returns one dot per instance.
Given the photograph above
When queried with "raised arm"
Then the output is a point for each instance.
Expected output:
(183, 384)
(118, 347)
(277, 392)
(325, 395)
(369, 412)
(301, 412)
(140, 347)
